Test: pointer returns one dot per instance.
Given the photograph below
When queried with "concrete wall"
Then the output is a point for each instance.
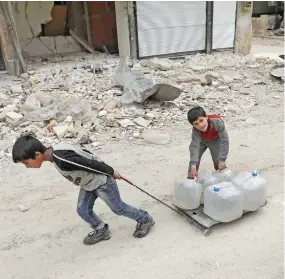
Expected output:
(243, 37)
(28, 17)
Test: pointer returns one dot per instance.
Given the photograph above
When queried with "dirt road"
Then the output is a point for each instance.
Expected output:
(46, 240)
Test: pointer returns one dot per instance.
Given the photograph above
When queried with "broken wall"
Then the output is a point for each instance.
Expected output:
(29, 17)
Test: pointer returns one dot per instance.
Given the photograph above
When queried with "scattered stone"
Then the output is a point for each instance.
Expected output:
(142, 122)
(158, 64)
(112, 104)
(276, 97)
(102, 113)
(25, 75)
(23, 208)
(206, 80)
(227, 79)
(136, 135)
(126, 123)
(48, 197)
(254, 66)
(17, 89)
(13, 117)
(156, 138)
(198, 90)
(95, 144)
(60, 130)
(223, 88)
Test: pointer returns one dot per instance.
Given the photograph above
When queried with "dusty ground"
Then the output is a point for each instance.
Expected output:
(46, 241)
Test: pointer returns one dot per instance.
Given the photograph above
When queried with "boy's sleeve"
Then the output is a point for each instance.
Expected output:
(224, 140)
(69, 160)
(194, 147)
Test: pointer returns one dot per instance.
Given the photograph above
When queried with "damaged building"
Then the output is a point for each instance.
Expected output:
(137, 29)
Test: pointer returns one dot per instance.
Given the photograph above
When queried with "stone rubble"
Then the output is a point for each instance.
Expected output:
(227, 84)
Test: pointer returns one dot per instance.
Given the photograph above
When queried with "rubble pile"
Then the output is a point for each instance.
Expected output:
(80, 102)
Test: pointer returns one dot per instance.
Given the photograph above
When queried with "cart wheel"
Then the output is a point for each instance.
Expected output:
(207, 232)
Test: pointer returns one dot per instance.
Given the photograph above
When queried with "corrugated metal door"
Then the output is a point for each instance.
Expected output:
(170, 27)
(224, 22)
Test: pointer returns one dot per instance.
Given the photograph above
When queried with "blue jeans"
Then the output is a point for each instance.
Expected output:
(109, 193)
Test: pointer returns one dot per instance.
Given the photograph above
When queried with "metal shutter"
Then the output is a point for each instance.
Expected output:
(224, 21)
(170, 27)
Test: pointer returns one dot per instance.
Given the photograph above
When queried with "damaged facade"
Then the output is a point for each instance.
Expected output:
(136, 29)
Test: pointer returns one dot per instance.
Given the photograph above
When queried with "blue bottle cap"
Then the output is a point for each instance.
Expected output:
(254, 173)
(217, 188)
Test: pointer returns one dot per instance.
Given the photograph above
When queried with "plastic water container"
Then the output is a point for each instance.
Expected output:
(254, 190)
(223, 202)
(224, 175)
(240, 179)
(187, 194)
(212, 180)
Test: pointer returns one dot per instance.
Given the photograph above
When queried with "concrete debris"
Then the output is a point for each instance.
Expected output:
(25, 75)
(16, 89)
(142, 122)
(112, 104)
(227, 79)
(60, 130)
(126, 123)
(13, 117)
(76, 101)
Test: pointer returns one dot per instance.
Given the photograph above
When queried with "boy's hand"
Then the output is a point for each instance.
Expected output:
(222, 165)
(193, 172)
(116, 175)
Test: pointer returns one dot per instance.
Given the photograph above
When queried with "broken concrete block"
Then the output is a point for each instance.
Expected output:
(13, 117)
(112, 104)
(17, 88)
(60, 130)
(227, 79)
(126, 123)
(25, 75)
(142, 122)
(102, 113)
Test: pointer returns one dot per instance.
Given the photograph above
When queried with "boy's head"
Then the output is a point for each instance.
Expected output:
(198, 118)
(29, 151)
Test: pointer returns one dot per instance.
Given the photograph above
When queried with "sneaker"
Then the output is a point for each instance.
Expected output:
(97, 235)
(144, 226)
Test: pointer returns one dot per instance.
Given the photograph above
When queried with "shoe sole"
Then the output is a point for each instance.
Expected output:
(141, 236)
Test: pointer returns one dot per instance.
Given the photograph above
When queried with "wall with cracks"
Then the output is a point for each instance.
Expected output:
(29, 16)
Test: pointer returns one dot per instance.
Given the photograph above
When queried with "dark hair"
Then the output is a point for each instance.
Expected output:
(26, 147)
(194, 113)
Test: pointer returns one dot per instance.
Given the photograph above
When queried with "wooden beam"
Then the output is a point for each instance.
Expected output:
(86, 12)
(82, 42)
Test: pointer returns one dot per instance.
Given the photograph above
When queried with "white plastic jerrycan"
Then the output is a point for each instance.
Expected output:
(254, 189)
(240, 179)
(212, 180)
(187, 194)
(224, 175)
(223, 202)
